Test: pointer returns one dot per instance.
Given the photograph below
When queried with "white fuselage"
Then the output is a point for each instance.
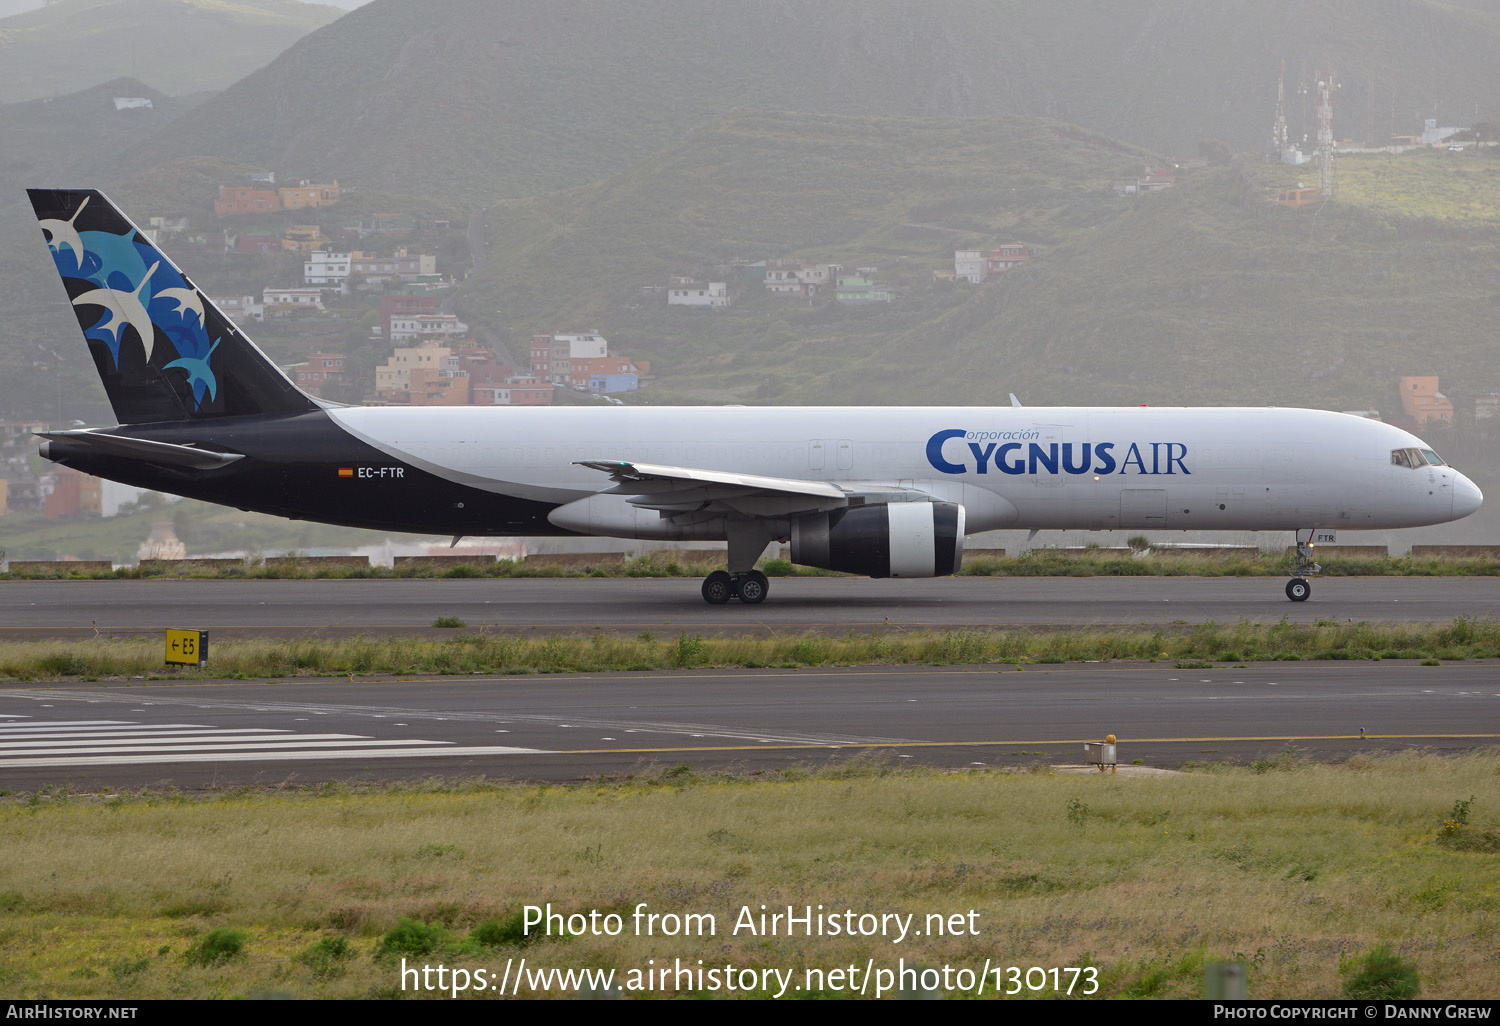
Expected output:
(1010, 467)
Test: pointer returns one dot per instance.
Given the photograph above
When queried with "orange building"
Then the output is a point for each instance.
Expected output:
(73, 493)
(439, 387)
(245, 199)
(1421, 401)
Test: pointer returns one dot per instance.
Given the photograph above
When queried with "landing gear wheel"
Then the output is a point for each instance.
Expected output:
(1297, 589)
(752, 588)
(718, 588)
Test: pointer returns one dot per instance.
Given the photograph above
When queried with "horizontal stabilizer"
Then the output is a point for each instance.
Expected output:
(165, 453)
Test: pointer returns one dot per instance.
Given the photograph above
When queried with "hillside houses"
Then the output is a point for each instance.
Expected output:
(712, 295)
(239, 200)
(979, 267)
(370, 270)
(397, 225)
(321, 370)
(279, 302)
(788, 277)
(858, 290)
(425, 326)
(459, 373)
(583, 363)
(1151, 180)
(304, 238)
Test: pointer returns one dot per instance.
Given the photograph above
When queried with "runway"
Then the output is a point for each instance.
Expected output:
(100, 737)
(334, 608)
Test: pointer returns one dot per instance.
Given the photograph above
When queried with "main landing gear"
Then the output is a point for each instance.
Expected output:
(747, 540)
(749, 587)
(1299, 588)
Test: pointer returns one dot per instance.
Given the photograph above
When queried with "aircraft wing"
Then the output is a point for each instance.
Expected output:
(675, 490)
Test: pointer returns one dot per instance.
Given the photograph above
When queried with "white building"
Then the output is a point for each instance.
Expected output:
(405, 328)
(286, 300)
(714, 295)
(324, 268)
(583, 346)
(1434, 133)
(798, 278)
(400, 266)
(971, 264)
(241, 309)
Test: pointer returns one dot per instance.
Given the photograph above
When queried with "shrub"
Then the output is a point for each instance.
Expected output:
(410, 937)
(1382, 974)
(508, 932)
(218, 945)
(324, 956)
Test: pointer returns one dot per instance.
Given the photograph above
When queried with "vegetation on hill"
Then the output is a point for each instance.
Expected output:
(1206, 292)
(178, 46)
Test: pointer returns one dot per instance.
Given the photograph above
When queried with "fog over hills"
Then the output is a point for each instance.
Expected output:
(477, 99)
(175, 46)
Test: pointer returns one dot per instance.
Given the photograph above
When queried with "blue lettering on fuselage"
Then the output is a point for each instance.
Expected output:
(1018, 452)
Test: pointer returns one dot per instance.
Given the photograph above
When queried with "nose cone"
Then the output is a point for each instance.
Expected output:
(1466, 496)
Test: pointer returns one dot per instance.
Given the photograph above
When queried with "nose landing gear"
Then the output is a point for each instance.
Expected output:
(1303, 567)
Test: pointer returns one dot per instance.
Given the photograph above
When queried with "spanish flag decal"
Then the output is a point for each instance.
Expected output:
(346, 472)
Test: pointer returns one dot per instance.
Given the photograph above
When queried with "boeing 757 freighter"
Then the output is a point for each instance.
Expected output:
(882, 492)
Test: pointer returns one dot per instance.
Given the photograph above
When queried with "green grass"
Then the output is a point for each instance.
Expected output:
(506, 653)
(1297, 873)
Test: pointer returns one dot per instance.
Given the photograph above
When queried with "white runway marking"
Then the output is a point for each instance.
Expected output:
(55, 743)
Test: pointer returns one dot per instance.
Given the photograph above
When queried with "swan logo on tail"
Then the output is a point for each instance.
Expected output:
(124, 308)
(62, 233)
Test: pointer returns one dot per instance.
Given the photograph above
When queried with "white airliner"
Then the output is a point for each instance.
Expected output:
(884, 492)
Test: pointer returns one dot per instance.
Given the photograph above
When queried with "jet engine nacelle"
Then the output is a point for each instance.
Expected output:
(898, 539)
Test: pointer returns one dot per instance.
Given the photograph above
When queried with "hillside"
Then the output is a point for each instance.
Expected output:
(67, 136)
(1207, 292)
(476, 99)
(176, 46)
(900, 193)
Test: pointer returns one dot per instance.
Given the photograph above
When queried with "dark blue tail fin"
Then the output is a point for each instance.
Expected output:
(165, 352)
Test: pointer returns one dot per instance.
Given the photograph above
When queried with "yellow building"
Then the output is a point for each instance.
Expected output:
(303, 238)
(300, 197)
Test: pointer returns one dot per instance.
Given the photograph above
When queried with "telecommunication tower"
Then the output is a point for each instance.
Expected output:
(1279, 141)
(1325, 133)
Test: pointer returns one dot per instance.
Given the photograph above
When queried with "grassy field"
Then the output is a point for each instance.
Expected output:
(484, 652)
(1295, 869)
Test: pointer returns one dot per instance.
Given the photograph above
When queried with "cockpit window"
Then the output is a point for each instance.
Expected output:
(1415, 458)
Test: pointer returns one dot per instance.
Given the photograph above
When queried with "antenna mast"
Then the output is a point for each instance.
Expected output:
(1325, 134)
(1279, 142)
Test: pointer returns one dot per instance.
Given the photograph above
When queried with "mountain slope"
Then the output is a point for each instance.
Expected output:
(1207, 292)
(477, 99)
